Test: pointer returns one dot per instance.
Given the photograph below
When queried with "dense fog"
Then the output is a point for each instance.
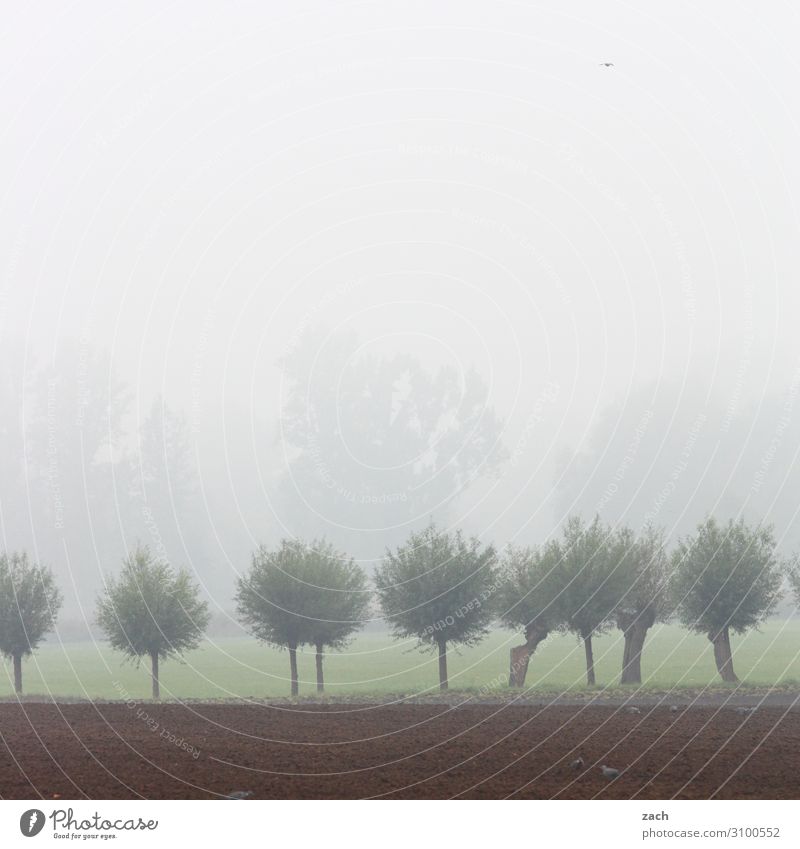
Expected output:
(314, 270)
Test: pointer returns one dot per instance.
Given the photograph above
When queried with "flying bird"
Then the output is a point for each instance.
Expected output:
(606, 64)
(609, 772)
(577, 763)
(240, 794)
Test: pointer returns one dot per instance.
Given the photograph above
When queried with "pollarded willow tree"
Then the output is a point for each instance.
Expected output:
(439, 588)
(29, 605)
(529, 599)
(646, 600)
(726, 578)
(302, 594)
(341, 601)
(152, 610)
(592, 581)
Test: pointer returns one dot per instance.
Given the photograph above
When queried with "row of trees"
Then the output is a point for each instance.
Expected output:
(723, 578)
(439, 588)
(443, 589)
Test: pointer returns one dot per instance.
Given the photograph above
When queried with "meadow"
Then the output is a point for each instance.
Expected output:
(374, 664)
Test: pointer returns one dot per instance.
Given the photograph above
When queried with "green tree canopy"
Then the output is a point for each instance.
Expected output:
(529, 599)
(152, 610)
(301, 594)
(592, 581)
(29, 605)
(341, 600)
(645, 566)
(439, 588)
(726, 577)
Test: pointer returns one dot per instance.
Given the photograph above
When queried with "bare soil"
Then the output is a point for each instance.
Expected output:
(436, 750)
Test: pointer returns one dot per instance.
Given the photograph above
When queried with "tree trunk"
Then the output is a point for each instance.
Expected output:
(520, 658)
(320, 678)
(154, 674)
(632, 656)
(293, 668)
(722, 654)
(521, 655)
(587, 647)
(18, 674)
(443, 683)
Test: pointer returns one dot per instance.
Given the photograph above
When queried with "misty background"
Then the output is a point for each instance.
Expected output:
(338, 269)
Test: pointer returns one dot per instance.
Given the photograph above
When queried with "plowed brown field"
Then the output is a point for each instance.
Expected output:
(103, 751)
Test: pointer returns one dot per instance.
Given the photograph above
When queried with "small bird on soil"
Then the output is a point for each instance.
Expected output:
(674, 709)
(240, 794)
(633, 709)
(577, 763)
(609, 772)
(745, 710)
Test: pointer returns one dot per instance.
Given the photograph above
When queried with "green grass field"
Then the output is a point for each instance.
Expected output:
(375, 664)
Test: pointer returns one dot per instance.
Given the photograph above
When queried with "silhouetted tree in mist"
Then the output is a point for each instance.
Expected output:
(793, 576)
(19, 494)
(74, 407)
(165, 504)
(656, 456)
(373, 443)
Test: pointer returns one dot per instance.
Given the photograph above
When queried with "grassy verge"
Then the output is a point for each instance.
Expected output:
(375, 665)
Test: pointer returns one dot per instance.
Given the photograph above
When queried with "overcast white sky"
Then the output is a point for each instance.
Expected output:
(186, 184)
